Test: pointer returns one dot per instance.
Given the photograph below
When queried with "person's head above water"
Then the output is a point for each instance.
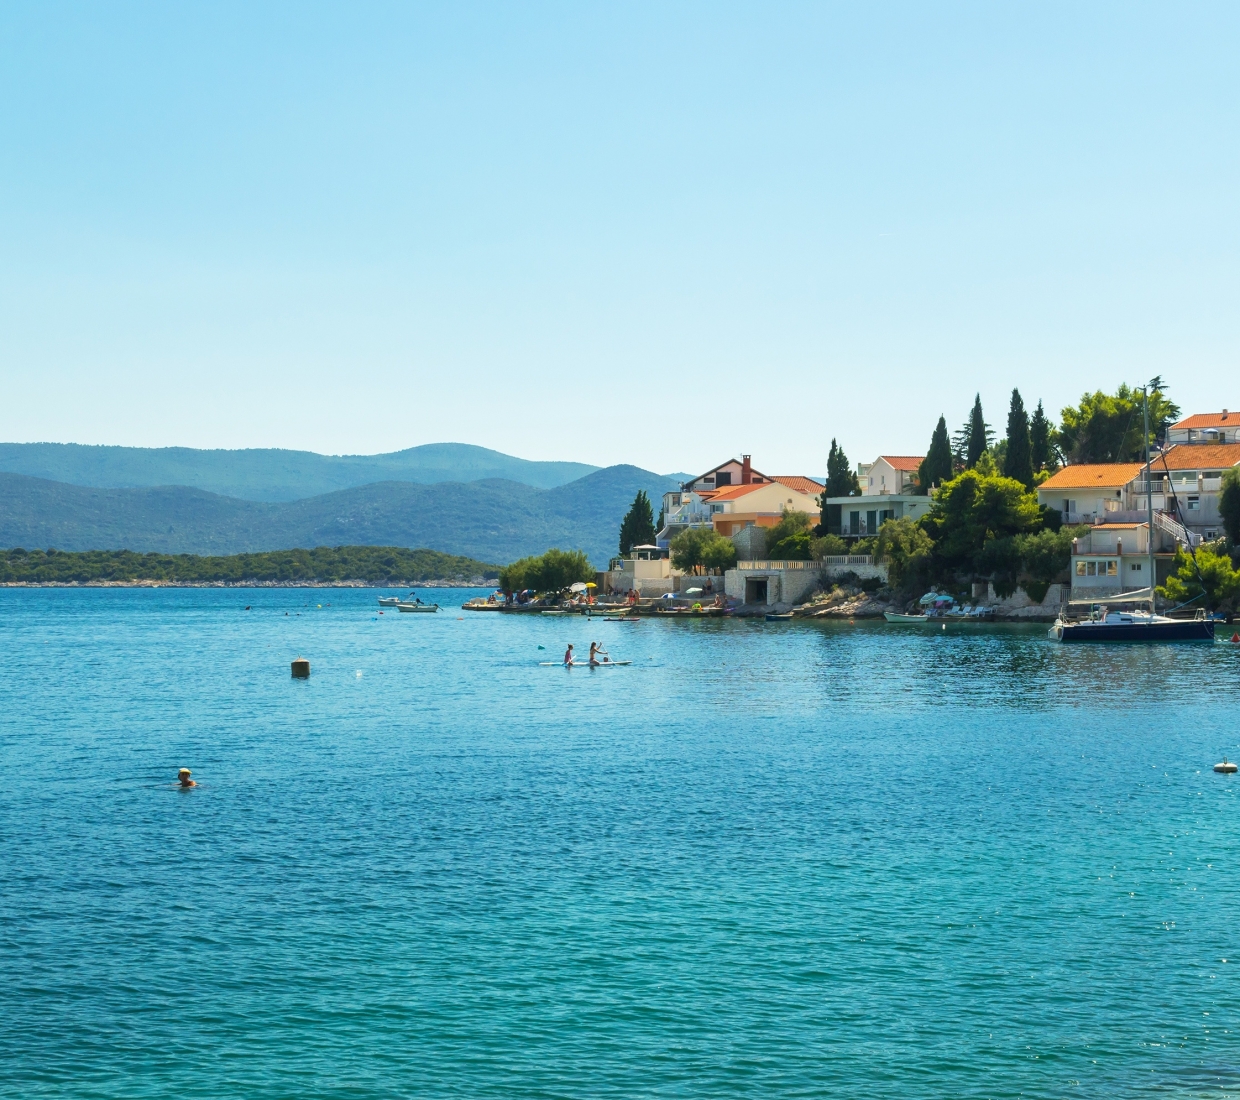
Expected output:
(184, 776)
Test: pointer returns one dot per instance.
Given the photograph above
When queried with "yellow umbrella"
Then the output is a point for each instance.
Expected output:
(591, 584)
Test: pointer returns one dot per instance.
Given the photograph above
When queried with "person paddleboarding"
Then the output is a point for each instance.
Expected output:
(597, 651)
(568, 656)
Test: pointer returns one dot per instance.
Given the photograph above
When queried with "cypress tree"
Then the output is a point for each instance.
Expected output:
(938, 465)
(977, 434)
(1039, 440)
(637, 527)
(841, 481)
(1018, 462)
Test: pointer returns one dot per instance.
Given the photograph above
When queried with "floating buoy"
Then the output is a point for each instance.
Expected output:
(301, 668)
(1236, 638)
(1226, 767)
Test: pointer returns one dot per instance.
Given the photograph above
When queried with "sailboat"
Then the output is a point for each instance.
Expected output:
(1106, 625)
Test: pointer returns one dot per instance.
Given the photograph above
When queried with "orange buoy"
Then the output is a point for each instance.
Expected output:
(301, 668)
(1236, 637)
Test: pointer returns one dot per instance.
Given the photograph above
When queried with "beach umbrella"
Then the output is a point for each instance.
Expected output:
(577, 587)
(692, 591)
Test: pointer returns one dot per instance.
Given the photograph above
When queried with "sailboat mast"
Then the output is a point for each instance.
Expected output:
(1149, 497)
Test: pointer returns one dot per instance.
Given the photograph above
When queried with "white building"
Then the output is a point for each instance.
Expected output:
(1221, 427)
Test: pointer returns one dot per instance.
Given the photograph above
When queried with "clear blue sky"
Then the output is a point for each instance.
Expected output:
(658, 234)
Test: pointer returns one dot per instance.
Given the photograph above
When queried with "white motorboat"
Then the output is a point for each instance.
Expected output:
(388, 601)
(421, 607)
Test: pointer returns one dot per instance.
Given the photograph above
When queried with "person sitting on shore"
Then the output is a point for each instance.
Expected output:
(184, 776)
(568, 656)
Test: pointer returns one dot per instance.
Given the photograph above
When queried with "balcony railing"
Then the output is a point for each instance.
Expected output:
(835, 559)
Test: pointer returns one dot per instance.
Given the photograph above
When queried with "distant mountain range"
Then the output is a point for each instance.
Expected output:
(270, 474)
(491, 519)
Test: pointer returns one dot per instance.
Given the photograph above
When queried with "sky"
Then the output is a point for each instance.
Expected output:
(662, 234)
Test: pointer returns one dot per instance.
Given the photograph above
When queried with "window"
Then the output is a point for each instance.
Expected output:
(1135, 566)
(1111, 568)
(1080, 569)
(854, 523)
(1091, 568)
(872, 522)
(716, 508)
(871, 481)
(1194, 504)
(723, 477)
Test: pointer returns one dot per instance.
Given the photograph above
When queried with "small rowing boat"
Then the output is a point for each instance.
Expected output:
(896, 617)
(426, 608)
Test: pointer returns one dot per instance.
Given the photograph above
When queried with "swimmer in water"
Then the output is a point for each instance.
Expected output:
(184, 776)
(568, 656)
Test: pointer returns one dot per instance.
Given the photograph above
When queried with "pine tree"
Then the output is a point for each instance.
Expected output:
(977, 434)
(841, 481)
(938, 465)
(1039, 440)
(1018, 462)
(637, 527)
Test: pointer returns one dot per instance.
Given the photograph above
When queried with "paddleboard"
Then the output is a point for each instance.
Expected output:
(585, 664)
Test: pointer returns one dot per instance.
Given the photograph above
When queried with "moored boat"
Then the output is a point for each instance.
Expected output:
(425, 608)
(388, 601)
(1133, 626)
(897, 617)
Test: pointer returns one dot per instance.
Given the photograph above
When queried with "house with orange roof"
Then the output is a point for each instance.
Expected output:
(1090, 492)
(716, 493)
(740, 506)
(1186, 481)
(1220, 427)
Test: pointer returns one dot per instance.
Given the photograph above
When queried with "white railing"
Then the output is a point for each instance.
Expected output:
(835, 559)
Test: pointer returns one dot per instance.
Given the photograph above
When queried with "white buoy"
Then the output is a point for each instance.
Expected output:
(1226, 767)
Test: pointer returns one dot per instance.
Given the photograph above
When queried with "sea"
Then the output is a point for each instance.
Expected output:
(788, 859)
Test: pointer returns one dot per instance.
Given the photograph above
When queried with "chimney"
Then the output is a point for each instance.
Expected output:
(746, 470)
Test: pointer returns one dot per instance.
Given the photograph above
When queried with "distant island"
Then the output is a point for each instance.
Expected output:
(391, 566)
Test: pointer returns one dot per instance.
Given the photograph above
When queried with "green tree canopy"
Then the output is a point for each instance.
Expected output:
(841, 481)
(637, 527)
(1213, 580)
(1040, 441)
(790, 539)
(1229, 505)
(551, 572)
(970, 511)
(907, 549)
(687, 548)
(938, 466)
(1018, 459)
(719, 553)
(1109, 427)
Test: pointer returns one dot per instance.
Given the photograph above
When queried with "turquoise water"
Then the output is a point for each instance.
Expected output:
(765, 860)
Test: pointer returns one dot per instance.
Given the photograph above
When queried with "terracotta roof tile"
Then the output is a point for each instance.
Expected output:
(799, 484)
(734, 491)
(1112, 475)
(909, 463)
(1198, 456)
(1229, 419)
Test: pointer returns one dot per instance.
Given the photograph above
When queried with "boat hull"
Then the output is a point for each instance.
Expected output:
(1174, 630)
(423, 609)
(896, 617)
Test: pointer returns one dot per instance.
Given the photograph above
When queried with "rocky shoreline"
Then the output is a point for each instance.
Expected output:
(473, 582)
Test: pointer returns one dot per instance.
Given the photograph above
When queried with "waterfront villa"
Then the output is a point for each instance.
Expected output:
(889, 490)
(728, 491)
(763, 505)
(1185, 481)
(1113, 558)
(1221, 427)
(1088, 493)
